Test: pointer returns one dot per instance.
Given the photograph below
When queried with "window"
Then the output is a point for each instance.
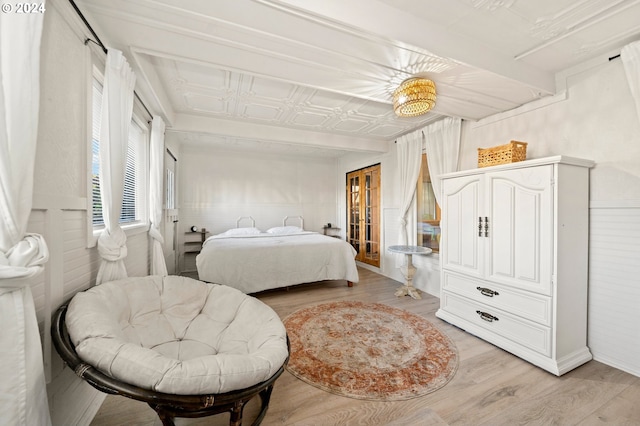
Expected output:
(170, 202)
(133, 202)
(428, 210)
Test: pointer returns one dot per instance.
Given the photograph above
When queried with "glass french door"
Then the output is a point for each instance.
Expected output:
(363, 213)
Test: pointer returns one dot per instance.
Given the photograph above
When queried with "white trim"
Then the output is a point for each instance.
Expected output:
(61, 202)
(616, 364)
(562, 77)
(130, 230)
(557, 159)
(92, 407)
(142, 167)
(369, 267)
(595, 16)
(526, 108)
(93, 73)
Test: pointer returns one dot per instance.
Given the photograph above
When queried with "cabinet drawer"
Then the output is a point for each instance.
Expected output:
(532, 306)
(526, 333)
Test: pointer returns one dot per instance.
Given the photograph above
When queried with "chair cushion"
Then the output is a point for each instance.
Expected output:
(177, 335)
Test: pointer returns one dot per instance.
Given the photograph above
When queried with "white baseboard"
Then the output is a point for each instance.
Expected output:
(631, 369)
(72, 401)
(86, 417)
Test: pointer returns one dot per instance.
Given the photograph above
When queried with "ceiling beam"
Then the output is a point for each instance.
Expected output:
(259, 132)
(375, 17)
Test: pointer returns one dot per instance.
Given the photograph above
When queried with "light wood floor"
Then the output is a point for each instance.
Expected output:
(491, 387)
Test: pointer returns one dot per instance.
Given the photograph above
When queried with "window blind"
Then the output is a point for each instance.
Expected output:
(129, 200)
(128, 213)
(97, 219)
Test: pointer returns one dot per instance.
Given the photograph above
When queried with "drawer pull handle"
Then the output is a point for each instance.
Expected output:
(487, 317)
(487, 292)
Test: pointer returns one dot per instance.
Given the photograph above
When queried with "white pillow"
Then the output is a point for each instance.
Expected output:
(282, 230)
(242, 231)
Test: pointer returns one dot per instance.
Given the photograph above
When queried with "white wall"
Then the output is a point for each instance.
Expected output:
(217, 187)
(61, 199)
(595, 120)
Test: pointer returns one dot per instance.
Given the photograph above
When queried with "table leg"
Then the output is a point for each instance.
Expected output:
(408, 270)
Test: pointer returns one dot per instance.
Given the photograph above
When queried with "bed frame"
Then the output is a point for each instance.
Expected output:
(300, 218)
(241, 218)
(284, 221)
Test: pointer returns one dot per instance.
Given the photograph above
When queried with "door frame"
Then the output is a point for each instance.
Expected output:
(361, 254)
(171, 214)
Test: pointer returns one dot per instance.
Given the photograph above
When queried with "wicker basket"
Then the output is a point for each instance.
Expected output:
(512, 152)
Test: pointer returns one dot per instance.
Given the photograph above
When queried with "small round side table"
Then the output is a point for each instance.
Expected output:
(408, 270)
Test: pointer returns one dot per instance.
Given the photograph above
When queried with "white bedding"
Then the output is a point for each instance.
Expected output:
(263, 261)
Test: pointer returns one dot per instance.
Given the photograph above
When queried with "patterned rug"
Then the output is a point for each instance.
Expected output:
(369, 351)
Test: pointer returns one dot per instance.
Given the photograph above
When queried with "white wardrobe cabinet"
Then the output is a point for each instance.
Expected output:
(514, 258)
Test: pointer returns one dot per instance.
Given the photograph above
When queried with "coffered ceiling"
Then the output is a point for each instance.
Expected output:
(316, 77)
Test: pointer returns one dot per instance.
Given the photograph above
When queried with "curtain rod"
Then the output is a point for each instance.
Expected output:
(98, 42)
(421, 131)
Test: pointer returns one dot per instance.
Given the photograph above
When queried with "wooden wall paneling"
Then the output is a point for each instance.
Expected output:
(54, 278)
(137, 260)
(614, 286)
(80, 263)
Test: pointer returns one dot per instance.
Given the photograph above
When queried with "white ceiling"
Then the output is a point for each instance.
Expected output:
(316, 77)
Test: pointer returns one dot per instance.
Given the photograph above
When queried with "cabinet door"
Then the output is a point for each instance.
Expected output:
(520, 241)
(461, 246)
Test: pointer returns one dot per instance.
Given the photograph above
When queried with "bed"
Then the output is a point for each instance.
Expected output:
(252, 260)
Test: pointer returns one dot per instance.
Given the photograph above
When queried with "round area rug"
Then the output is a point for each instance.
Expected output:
(369, 351)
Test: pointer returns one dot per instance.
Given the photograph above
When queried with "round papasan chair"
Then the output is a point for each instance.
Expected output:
(185, 347)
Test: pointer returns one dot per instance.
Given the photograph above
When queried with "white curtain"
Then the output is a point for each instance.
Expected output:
(630, 56)
(442, 145)
(409, 152)
(158, 265)
(117, 109)
(23, 396)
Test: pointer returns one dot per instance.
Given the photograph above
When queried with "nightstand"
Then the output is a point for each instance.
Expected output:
(331, 231)
(193, 242)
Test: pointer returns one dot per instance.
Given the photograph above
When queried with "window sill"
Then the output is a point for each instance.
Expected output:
(129, 230)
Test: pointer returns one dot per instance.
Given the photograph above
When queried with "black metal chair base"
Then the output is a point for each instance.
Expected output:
(167, 406)
(167, 413)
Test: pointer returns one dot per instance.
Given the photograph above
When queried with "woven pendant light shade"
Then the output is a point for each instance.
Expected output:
(415, 96)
